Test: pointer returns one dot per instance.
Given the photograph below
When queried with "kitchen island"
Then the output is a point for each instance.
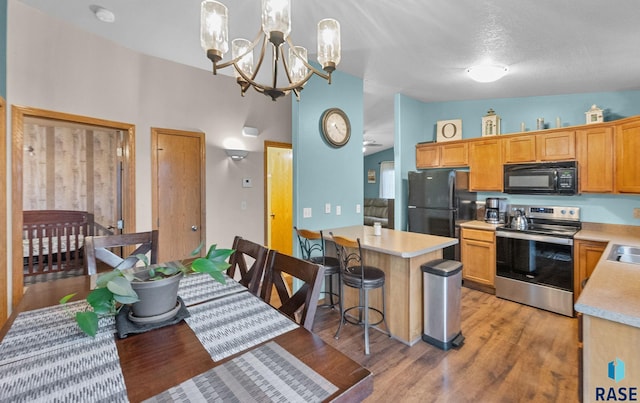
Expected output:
(399, 254)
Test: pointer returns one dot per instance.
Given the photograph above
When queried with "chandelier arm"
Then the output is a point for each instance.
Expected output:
(275, 57)
(322, 74)
(285, 65)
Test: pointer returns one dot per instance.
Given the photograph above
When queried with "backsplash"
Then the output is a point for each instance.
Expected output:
(610, 209)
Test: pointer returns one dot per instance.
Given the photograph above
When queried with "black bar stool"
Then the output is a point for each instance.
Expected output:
(364, 278)
(312, 249)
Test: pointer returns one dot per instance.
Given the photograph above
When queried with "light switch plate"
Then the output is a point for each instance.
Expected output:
(358, 208)
(338, 210)
(306, 212)
(327, 208)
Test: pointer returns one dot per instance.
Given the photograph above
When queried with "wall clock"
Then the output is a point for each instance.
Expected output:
(335, 127)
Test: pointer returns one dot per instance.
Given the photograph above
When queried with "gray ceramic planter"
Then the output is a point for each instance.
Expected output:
(157, 298)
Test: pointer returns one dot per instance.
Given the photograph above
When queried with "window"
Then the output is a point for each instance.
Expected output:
(387, 180)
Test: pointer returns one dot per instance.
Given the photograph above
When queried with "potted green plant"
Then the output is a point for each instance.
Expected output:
(116, 288)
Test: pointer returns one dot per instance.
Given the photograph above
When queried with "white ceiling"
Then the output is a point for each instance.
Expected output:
(418, 48)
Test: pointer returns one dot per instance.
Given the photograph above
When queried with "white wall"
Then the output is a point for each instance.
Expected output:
(52, 65)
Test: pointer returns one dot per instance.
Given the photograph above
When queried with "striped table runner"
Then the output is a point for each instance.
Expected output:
(267, 374)
(235, 323)
(46, 357)
(197, 288)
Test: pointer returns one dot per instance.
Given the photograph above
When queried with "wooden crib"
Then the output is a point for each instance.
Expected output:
(52, 243)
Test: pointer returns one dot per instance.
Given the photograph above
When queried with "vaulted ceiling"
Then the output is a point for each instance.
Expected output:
(415, 47)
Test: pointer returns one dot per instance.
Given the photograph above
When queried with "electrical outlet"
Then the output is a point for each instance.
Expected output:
(636, 212)
(358, 208)
(327, 208)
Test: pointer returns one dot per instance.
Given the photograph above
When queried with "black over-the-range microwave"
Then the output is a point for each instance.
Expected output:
(553, 178)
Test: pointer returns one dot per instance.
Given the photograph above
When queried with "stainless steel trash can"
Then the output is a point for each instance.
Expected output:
(442, 283)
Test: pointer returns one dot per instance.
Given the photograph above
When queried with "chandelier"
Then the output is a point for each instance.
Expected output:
(276, 26)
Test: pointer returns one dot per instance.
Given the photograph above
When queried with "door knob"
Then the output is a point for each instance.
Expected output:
(194, 228)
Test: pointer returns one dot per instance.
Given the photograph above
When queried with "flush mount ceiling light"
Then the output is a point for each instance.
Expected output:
(487, 73)
(103, 14)
(276, 26)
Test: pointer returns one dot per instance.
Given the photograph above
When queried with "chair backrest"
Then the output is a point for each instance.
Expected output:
(251, 270)
(311, 243)
(349, 253)
(304, 301)
(97, 249)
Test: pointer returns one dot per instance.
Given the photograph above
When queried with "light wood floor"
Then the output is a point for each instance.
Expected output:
(512, 353)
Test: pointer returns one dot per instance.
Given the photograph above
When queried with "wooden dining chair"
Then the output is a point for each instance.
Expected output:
(97, 249)
(312, 249)
(303, 303)
(249, 260)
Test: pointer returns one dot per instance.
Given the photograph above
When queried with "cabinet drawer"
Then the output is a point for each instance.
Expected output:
(478, 235)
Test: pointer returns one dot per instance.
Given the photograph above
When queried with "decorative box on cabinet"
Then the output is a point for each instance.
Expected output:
(478, 256)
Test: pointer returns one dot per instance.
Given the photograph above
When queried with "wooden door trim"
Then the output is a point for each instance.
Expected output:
(155, 132)
(265, 173)
(4, 312)
(18, 114)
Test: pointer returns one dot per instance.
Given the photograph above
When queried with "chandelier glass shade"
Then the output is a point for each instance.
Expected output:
(275, 35)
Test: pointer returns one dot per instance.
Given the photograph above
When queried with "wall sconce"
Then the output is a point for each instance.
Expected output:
(236, 155)
(250, 131)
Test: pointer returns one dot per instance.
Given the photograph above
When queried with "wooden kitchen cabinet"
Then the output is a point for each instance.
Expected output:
(556, 146)
(586, 257)
(519, 149)
(478, 255)
(427, 156)
(604, 341)
(627, 144)
(595, 159)
(485, 165)
(433, 155)
(552, 146)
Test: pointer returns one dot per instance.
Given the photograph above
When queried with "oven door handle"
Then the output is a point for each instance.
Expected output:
(535, 237)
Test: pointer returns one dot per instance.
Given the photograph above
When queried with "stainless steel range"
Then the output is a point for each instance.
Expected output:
(534, 256)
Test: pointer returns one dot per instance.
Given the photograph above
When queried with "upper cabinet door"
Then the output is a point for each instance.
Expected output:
(557, 146)
(519, 149)
(627, 139)
(485, 166)
(595, 159)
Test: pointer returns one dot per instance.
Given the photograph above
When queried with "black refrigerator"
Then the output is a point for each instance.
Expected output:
(439, 199)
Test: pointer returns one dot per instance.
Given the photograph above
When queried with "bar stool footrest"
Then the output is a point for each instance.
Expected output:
(349, 319)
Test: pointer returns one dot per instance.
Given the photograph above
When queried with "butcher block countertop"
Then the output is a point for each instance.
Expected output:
(613, 290)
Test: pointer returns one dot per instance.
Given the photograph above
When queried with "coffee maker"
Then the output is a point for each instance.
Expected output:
(495, 210)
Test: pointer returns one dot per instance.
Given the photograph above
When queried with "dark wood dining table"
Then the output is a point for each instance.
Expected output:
(159, 359)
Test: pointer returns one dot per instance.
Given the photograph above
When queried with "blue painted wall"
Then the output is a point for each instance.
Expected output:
(372, 161)
(3, 48)
(570, 108)
(323, 174)
(410, 126)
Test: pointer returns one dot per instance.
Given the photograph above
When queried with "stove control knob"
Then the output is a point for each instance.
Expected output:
(563, 212)
(571, 212)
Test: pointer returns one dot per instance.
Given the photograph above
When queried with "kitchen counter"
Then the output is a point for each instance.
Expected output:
(393, 242)
(613, 290)
(400, 255)
(481, 225)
